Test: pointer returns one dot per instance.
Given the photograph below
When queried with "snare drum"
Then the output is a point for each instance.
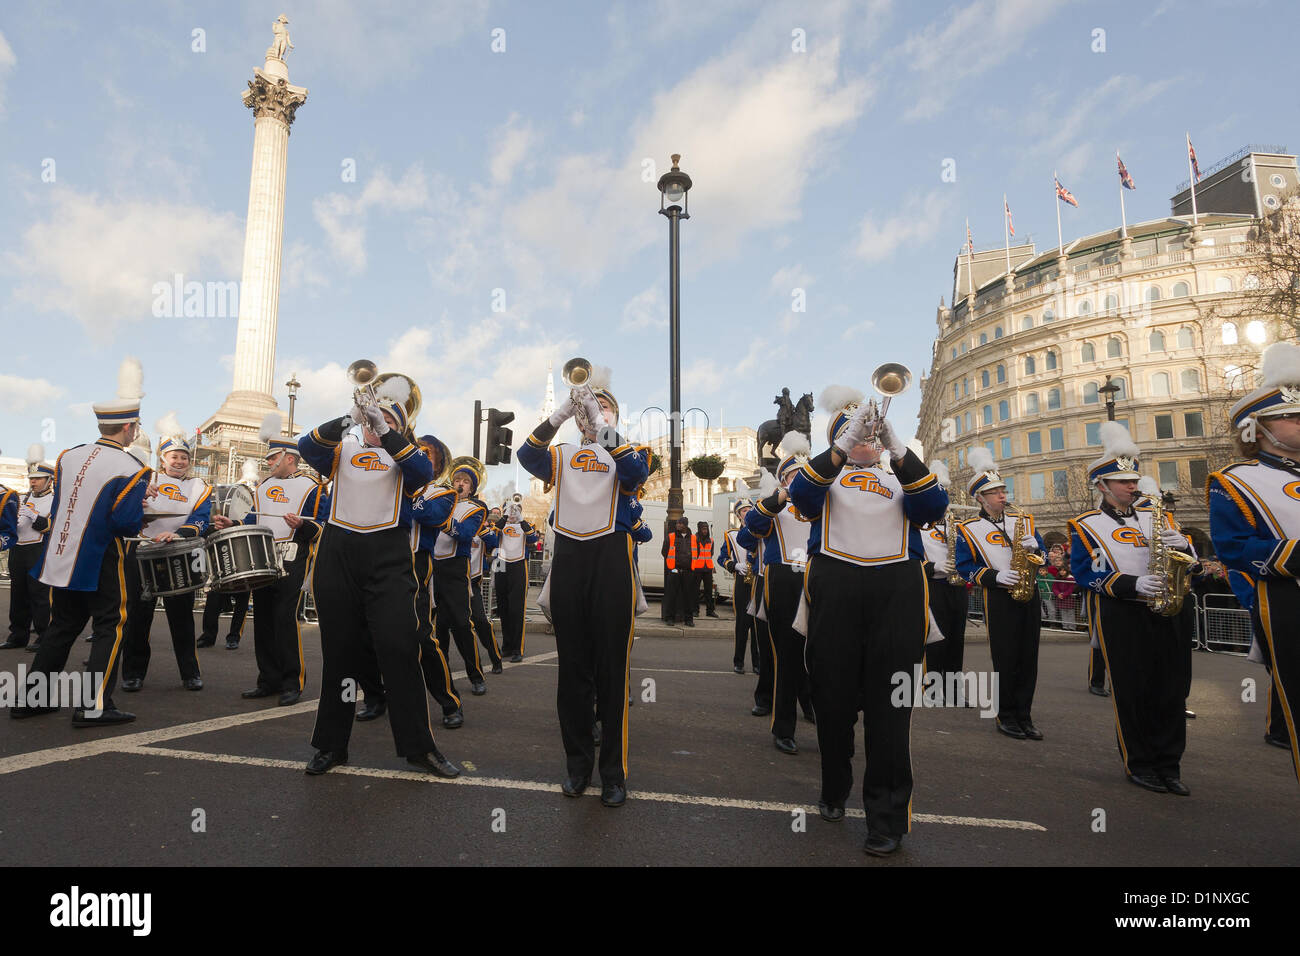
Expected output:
(232, 501)
(243, 558)
(176, 567)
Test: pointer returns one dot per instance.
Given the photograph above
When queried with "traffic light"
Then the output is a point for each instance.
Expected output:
(498, 437)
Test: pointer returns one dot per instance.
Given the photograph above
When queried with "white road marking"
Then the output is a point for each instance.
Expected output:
(668, 670)
(502, 783)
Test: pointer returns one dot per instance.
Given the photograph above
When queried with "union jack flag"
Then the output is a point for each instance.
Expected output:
(1124, 178)
(970, 243)
(1191, 154)
(1011, 226)
(1065, 195)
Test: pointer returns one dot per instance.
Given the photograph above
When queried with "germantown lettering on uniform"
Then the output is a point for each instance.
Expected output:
(66, 532)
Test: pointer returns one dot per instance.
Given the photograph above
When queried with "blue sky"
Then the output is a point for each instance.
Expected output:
(523, 170)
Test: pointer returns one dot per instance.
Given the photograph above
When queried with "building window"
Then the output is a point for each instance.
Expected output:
(1060, 484)
(967, 417)
(1168, 471)
(1112, 302)
(989, 446)
(1229, 333)
(691, 495)
(1160, 383)
(987, 412)
(1035, 443)
(1031, 403)
(1083, 308)
(955, 390)
(954, 351)
(984, 338)
(1156, 341)
(984, 378)
(1164, 426)
(1256, 333)
(1114, 349)
(997, 333)
(1185, 340)
(1090, 396)
(1011, 486)
(1181, 290)
(1250, 283)
(1056, 439)
(957, 419)
(965, 387)
(1037, 487)
(1152, 293)
(1189, 380)
(1092, 433)
(1232, 375)
(963, 348)
(1000, 373)
(961, 457)
(1026, 323)
(1029, 365)
(1223, 284)
(1193, 425)
(1004, 410)
(1005, 447)
(1053, 399)
(1049, 315)
(1088, 353)
(1199, 470)
(732, 444)
(1119, 383)
(1051, 361)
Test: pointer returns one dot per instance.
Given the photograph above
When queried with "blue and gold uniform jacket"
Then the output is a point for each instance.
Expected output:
(982, 548)
(1255, 519)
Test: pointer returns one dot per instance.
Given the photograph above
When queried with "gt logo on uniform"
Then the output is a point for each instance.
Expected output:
(587, 460)
(277, 494)
(509, 532)
(1130, 536)
(866, 481)
(368, 461)
(1292, 490)
(938, 535)
(998, 538)
(172, 492)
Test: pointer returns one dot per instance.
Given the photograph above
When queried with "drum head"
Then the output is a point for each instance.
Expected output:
(233, 501)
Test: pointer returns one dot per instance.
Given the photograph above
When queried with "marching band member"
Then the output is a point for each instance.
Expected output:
(516, 540)
(867, 618)
(178, 505)
(29, 600)
(738, 562)
(482, 545)
(292, 505)
(236, 603)
(765, 686)
(592, 584)
(984, 558)
(98, 500)
(364, 583)
(1110, 556)
(1255, 521)
(947, 592)
(451, 572)
(784, 533)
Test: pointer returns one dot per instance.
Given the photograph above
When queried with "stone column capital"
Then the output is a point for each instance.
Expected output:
(273, 96)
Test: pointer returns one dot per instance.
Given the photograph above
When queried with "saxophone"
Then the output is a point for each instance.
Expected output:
(950, 537)
(1022, 561)
(1169, 564)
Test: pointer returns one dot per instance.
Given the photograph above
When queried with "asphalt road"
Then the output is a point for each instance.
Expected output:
(706, 785)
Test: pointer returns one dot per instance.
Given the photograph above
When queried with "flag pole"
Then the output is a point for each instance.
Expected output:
(1056, 200)
(970, 275)
(1191, 177)
(1123, 219)
(1006, 235)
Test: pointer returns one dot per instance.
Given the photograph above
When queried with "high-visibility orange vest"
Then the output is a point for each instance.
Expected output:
(672, 552)
(703, 560)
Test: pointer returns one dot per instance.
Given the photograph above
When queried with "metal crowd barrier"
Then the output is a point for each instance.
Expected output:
(1223, 625)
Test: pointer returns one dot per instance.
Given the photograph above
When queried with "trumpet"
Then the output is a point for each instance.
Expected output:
(888, 380)
(576, 374)
(367, 382)
(515, 508)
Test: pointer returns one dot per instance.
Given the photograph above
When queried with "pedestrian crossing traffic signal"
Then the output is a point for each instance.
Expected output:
(498, 437)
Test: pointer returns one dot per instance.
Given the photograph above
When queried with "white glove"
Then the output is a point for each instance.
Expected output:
(375, 420)
(890, 440)
(358, 415)
(1029, 543)
(1172, 539)
(1150, 585)
(563, 413)
(1008, 579)
(595, 413)
(742, 568)
(854, 433)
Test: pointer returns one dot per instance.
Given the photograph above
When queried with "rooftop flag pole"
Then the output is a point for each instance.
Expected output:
(1125, 182)
(1193, 174)
(970, 277)
(1007, 230)
(1060, 243)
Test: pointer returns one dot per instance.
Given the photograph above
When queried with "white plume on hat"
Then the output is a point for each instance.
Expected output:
(834, 397)
(35, 454)
(1116, 441)
(1147, 486)
(767, 484)
(248, 471)
(130, 379)
(396, 389)
(1280, 365)
(795, 443)
(272, 426)
(602, 376)
(940, 471)
(980, 459)
(169, 426)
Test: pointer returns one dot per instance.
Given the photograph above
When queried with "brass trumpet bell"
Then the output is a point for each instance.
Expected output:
(891, 379)
(576, 372)
(362, 372)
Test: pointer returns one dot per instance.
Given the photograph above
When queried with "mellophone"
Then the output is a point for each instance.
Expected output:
(239, 558)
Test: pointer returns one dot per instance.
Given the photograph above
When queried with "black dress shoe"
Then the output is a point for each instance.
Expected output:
(880, 845)
(761, 711)
(738, 668)
(106, 718)
(754, 670)
(232, 645)
(689, 622)
(1189, 714)
(829, 813)
(33, 647)
(257, 692)
(478, 689)
(132, 684)
(22, 713)
(205, 642)
(1099, 691)
(325, 760)
(371, 709)
(193, 683)
(498, 669)
(1277, 741)
(453, 720)
(1011, 729)
(786, 745)
(1148, 781)
(516, 658)
(1030, 731)
(1175, 786)
(290, 697)
(613, 794)
(10, 645)
(709, 614)
(574, 788)
(435, 763)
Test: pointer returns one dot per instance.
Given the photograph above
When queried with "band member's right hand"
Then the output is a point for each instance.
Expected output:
(1150, 585)
(782, 495)
(294, 521)
(853, 435)
(375, 420)
(563, 413)
(1008, 579)
(358, 415)
(151, 491)
(221, 522)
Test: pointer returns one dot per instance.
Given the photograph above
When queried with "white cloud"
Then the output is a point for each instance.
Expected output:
(855, 330)
(702, 377)
(7, 62)
(97, 260)
(514, 140)
(918, 221)
(19, 394)
(789, 278)
(645, 310)
(343, 215)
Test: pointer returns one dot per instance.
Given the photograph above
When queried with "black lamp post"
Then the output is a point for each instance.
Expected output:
(674, 202)
(293, 385)
(1109, 391)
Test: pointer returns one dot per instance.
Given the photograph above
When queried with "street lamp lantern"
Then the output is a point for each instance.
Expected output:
(1110, 391)
(674, 202)
(293, 385)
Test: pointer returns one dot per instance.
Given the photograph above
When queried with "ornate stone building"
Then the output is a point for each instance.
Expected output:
(736, 445)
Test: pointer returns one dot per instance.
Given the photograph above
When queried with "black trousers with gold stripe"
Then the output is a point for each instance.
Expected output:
(866, 625)
(782, 587)
(451, 591)
(746, 633)
(277, 634)
(365, 598)
(1013, 644)
(593, 606)
(512, 595)
(1277, 606)
(29, 599)
(136, 653)
(105, 608)
(1276, 721)
(1147, 661)
(217, 604)
(433, 661)
(948, 605)
(479, 619)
